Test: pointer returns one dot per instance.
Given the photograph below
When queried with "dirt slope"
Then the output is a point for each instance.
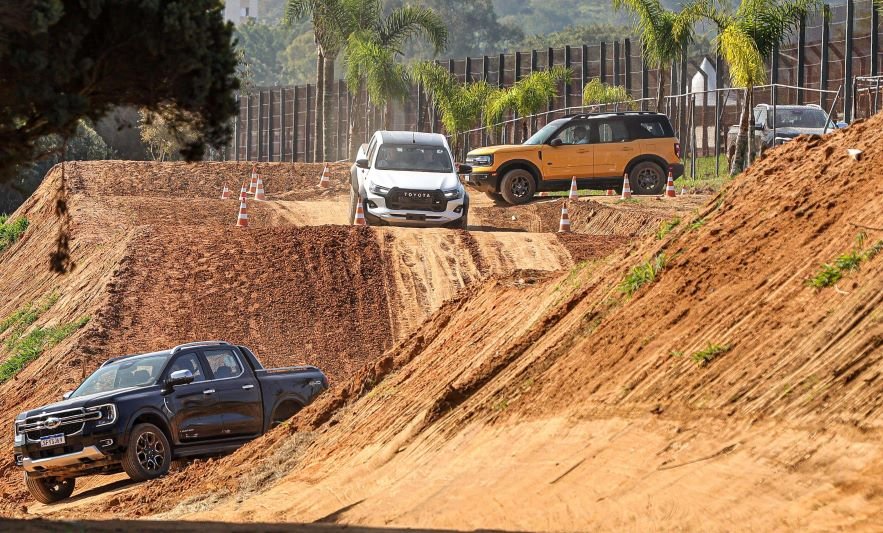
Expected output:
(550, 402)
(157, 261)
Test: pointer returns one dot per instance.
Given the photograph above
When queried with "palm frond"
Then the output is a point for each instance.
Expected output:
(407, 22)
(741, 54)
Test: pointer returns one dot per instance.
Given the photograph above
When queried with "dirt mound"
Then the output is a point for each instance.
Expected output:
(290, 181)
(591, 215)
(621, 394)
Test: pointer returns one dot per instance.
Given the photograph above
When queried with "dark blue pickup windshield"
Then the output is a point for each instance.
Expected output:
(140, 371)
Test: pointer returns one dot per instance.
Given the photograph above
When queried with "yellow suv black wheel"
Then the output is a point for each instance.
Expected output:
(517, 186)
(647, 178)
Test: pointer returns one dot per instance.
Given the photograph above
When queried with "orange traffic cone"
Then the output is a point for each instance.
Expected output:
(325, 181)
(626, 188)
(564, 225)
(225, 194)
(670, 186)
(683, 191)
(242, 220)
(243, 193)
(574, 193)
(542, 194)
(259, 190)
(254, 180)
(360, 215)
(611, 192)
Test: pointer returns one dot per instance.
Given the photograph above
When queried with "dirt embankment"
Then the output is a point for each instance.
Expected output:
(725, 393)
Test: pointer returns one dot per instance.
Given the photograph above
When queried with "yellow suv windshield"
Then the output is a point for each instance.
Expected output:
(546, 131)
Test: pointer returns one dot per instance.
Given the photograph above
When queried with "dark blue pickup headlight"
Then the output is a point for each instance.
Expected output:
(107, 412)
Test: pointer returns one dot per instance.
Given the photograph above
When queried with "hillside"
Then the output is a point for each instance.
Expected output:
(726, 393)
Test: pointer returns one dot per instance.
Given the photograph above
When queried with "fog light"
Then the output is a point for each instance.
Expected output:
(458, 209)
(371, 204)
(19, 459)
(105, 443)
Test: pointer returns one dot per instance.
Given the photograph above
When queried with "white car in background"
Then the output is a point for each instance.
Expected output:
(409, 178)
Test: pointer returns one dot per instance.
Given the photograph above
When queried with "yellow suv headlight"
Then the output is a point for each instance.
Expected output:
(480, 160)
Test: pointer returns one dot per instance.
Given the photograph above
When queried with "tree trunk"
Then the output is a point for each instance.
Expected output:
(357, 120)
(742, 138)
(328, 104)
(319, 119)
(660, 90)
(524, 130)
(388, 114)
(751, 142)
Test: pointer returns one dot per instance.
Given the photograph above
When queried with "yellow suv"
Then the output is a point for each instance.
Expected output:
(597, 149)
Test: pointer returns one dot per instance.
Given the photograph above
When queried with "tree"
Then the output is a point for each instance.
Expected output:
(527, 97)
(745, 37)
(61, 62)
(162, 142)
(330, 32)
(263, 49)
(374, 46)
(460, 105)
(664, 34)
(596, 94)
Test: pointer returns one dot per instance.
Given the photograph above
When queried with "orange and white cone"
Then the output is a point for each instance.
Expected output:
(574, 193)
(683, 191)
(243, 193)
(225, 194)
(542, 194)
(252, 186)
(564, 225)
(359, 219)
(259, 190)
(626, 187)
(611, 192)
(242, 220)
(670, 186)
(325, 181)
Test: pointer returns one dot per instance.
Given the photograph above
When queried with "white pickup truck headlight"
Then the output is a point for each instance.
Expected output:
(379, 190)
(480, 160)
(453, 194)
(108, 413)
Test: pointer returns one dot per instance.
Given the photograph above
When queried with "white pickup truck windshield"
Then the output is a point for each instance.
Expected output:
(413, 157)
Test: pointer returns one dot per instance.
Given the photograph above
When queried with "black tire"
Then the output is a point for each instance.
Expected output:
(495, 196)
(49, 489)
(353, 201)
(464, 220)
(518, 186)
(148, 455)
(647, 178)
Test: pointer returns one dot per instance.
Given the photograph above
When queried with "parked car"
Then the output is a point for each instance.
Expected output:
(790, 121)
(137, 413)
(596, 149)
(409, 179)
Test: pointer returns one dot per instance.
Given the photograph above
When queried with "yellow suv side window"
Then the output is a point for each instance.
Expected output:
(611, 131)
(574, 133)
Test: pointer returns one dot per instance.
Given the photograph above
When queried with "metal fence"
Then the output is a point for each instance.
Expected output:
(839, 47)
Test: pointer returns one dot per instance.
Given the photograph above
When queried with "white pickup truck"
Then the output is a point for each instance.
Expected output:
(409, 179)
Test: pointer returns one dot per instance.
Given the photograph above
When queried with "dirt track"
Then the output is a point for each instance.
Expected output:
(540, 398)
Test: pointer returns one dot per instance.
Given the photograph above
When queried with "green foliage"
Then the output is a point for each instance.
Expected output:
(666, 226)
(460, 105)
(709, 353)
(25, 316)
(543, 17)
(529, 95)
(31, 346)
(85, 145)
(831, 273)
(643, 274)
(696, 224)
(66, 61)
(663, 33)
(11, 231)
(596, 93)
(266, 57)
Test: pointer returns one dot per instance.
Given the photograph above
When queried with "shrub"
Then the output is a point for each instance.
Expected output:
(709, 353)
(666, 226)
(642, 275)
(31, 346)
(11, 231)
(831, 273)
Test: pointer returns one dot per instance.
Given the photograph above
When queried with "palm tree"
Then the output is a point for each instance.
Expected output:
(527, 97)
(597, 93)
(374, 45)
(460, 105)
(664, 35)
(745, 37)
(329, 32)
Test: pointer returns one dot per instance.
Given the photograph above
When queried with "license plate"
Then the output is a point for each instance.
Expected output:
(411, 216)
(52, 440)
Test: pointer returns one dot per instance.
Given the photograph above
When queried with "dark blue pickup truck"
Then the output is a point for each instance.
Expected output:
(137, 413)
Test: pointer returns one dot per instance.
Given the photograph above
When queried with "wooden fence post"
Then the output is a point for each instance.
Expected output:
(294, 124)
(627, 52)
(567, 83)
(270, 125)
(801, 58)
(307, 152)
(847, 62)
(616, 70)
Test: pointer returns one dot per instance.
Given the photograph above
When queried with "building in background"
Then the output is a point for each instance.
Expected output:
(238, 11)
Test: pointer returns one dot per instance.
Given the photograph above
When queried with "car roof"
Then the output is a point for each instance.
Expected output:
(606, 114)
(412, 137)
(135, 356)
(792, 106)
